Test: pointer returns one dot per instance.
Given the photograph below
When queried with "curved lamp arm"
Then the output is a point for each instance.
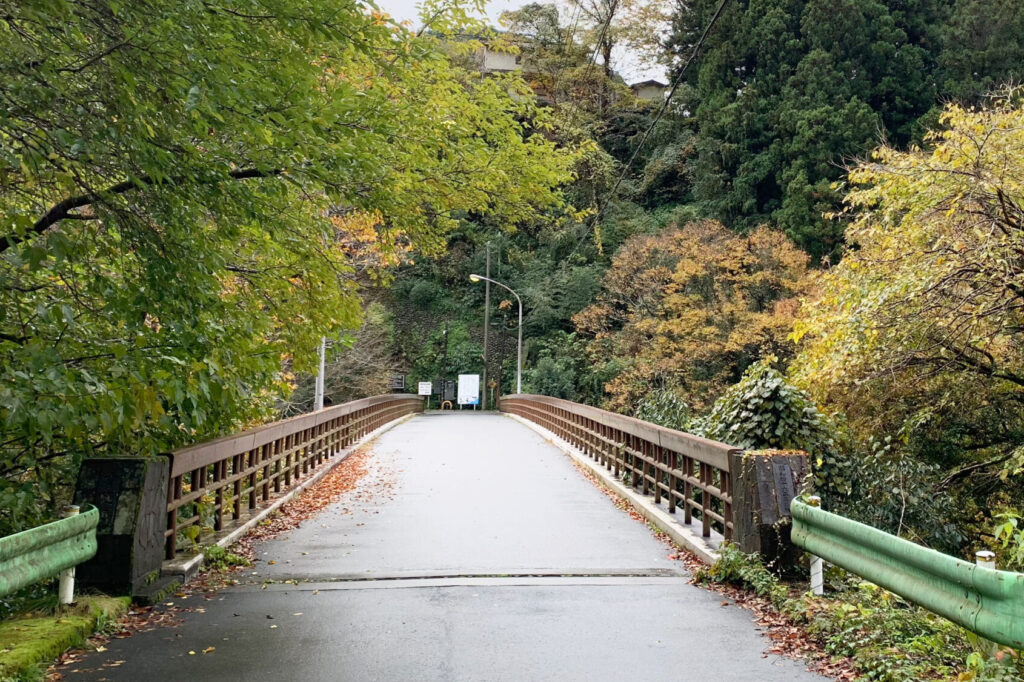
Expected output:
(519, 351)
(479, 278)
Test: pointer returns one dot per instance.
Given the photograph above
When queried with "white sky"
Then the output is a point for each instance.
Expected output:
(626, 64)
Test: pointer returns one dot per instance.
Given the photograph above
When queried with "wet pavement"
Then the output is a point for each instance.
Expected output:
(472, 550)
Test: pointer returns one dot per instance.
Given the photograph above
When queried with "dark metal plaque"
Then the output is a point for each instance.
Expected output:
(784, 488)
(766, 496)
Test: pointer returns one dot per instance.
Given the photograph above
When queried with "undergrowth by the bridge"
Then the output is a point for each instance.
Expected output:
(886, 638)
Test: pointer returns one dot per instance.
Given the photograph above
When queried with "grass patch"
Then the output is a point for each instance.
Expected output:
(217, 558)
(886, 638)
(30, 643)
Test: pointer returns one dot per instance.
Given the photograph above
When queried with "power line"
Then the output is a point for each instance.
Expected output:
(574, 105)
(572, 30)
(657, 117)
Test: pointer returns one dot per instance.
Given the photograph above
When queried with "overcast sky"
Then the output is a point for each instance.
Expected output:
(626, 64)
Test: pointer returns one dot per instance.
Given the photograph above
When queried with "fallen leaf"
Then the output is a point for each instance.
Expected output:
(209, 649)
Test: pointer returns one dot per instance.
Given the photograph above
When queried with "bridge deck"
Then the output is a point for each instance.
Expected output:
(472, 551)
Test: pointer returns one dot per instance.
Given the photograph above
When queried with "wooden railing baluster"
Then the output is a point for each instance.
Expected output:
(262, 463)
(662, 462)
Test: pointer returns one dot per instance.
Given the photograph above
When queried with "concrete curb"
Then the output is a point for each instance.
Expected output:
(184, 569)
(682, 534)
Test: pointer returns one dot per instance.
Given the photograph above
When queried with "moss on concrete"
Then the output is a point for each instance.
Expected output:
(28, 642)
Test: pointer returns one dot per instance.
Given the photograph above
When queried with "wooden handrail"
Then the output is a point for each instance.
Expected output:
(237, 474)
(687, 470)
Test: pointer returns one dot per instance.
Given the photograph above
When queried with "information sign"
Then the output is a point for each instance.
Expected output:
(469, 389)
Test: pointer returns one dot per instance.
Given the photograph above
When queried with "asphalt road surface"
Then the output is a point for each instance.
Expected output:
(473, 550)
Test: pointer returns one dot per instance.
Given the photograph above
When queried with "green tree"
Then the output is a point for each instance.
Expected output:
(787, 90)
(178, 182)
(982, 49)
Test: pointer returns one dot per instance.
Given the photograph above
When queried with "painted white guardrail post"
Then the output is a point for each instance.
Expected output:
(985, 559)
(817, 565)
(66, 591)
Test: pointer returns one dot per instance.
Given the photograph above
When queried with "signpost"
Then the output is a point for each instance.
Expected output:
(469, 389)
(425, 388)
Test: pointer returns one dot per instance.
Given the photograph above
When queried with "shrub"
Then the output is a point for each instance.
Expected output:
(218, 559)
(665, 408)
(765, 411)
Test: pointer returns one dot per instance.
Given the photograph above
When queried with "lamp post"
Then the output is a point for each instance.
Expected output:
(519, 352)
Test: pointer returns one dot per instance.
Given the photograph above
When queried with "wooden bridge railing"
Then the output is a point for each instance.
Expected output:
(241, 472)
(689, 471)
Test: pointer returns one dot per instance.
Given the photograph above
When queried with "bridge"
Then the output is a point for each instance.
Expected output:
(474, 549)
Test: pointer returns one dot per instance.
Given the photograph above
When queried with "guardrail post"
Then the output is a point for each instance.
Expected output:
(985, 559)
(66, 591)
(817, 565)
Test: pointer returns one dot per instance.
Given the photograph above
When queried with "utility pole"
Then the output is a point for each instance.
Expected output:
(444, 365)
(318, 395)
(487, 319)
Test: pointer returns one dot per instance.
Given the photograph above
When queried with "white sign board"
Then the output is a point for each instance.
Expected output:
(425, 388)
(469, 389)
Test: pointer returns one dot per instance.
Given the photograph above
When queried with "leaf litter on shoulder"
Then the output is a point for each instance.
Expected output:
(342, 479)
(787, 638)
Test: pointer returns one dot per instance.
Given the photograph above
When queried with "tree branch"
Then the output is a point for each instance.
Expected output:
(966, 471)
(63, 210)
(20, 340)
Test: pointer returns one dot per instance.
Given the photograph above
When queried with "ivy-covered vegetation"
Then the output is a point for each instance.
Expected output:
(884, 637)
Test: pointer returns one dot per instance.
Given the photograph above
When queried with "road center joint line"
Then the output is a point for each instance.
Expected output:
(477, 580)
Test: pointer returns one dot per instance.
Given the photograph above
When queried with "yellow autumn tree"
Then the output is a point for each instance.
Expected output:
(919, 331)
(691, 308)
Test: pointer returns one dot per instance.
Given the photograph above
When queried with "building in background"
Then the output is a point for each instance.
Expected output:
(495, 61)
(650, 90)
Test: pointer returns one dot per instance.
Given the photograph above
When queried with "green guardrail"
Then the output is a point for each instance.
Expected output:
(983, 600)
(45, 551)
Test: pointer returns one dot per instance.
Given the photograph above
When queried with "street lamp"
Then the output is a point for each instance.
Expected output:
(519, 353)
